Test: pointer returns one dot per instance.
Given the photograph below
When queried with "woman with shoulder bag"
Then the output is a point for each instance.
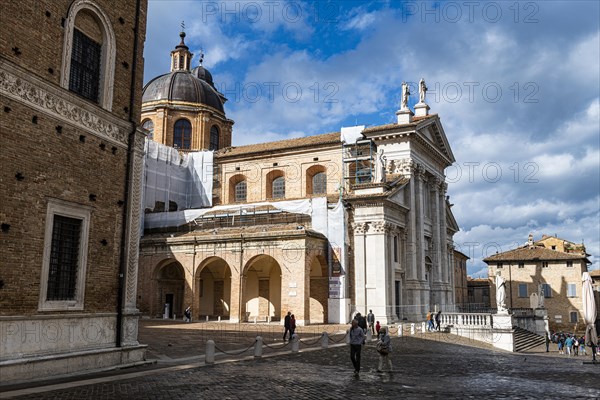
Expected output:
(384, 348)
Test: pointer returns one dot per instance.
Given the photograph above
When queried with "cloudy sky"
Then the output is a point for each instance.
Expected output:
(517, 86)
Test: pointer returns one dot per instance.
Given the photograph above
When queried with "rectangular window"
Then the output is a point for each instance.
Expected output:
(544, 264)
(499, 265)
(521, 265)
(395, 248)
(571, 290)
(547, 290)
(569, 264)
(84, 76)
(574, 316)
(523, 290)
(65, 256)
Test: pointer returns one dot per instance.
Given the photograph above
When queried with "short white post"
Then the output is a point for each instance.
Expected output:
(423, 327)
(209, 357)
(255, 319)
(412, 328)
(400, 332)
(219, 318)
(369, 335)
(174, 316)
(324, 340)
(269, 319)
(258, 345)
(295, 343)
(207, 318)
(348, 337)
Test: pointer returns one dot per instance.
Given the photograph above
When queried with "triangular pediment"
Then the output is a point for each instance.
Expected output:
(430, 131)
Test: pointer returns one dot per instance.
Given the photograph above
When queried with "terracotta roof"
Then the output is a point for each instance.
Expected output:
(533, 254)
(395, 125)
(595, 273)
(308, 141)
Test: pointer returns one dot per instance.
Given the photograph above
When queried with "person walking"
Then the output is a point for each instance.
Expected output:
(371, 321)
(430, 321)
(377, 329)
(188, 314)
(384, 348)
(569, 345)
(438, 318)
(547, 335)
(292, 325)
(362, 321)
(286, 325)
(357, 339)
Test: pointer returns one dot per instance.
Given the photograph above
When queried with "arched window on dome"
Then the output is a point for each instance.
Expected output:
(148, 125)
(182, 134)
(89, 52)
(214, 138)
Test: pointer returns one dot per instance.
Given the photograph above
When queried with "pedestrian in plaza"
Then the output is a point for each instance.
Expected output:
(430, 321)
(286, 325)
(292, 325)
(575, 346)
(377, 329)
(582, 350)
(357, 339)
(561, 345)
(569, 345)
(384, 348)
(438, 318)
(371, 321)
(362, 321)
(188, 314)
(547, 337)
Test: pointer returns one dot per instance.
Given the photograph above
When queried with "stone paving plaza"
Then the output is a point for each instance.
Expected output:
(433, 365)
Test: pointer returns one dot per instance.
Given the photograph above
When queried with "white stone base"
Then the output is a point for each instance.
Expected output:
(30, 369)
(503, 336)
(421, 110)
(404, 116)
(338, 311)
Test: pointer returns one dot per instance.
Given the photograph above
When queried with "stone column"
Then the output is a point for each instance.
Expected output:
(438, 236)
(129, 323)
(448, 270)
(360, 256)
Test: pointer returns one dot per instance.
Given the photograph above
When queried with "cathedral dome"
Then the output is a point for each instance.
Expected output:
(185, 86)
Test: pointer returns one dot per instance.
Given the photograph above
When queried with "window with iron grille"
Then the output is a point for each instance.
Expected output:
(64, 255)
(214, 138)
(319, 183)
(182, 134)
(148, 125)
(569, 264)
(574, 316)
(571, 290)
(240, 192)
(84, 77)
(523, 290)
(279, 188)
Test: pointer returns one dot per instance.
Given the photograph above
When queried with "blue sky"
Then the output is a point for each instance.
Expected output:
(516, 84)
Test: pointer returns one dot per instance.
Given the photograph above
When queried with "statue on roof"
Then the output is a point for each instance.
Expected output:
(422, 91)
(500, 294)
(405, 94)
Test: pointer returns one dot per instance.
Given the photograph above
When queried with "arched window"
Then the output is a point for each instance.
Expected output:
(182, 134)
(89, 52)
(148, 125)
(240, 192)
(319, 183)
(278, 188)
(214, 138)
(363, 175)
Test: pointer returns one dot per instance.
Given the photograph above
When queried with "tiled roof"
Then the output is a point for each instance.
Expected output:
(533, 254)
(308, 141)
(395, 125)
(595, 273)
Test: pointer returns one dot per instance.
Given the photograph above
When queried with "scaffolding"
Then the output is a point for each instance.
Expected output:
(358, 159)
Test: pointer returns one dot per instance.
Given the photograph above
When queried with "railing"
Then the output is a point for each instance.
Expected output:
(466, 319)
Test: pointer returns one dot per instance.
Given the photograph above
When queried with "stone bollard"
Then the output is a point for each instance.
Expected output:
(207, 318)
(295, 343)
(324, 340)
(219, 318)
(412, 328)
(369, 335)
(269, 319)
(254, 319)
(258, 347)
(423, 327)
(209, 357)
(400, 332)
(348, 337)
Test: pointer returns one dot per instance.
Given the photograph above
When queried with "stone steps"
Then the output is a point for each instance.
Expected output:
(525, 340)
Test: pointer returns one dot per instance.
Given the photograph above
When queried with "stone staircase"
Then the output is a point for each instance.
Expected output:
(525, 340)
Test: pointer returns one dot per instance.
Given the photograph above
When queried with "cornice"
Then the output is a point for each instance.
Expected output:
(24, 87)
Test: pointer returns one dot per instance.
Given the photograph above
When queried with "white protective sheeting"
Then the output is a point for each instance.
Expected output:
(351, 134)
(186, 180)
(589, 309)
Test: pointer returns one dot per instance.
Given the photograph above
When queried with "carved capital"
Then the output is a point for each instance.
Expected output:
(381, 227)
(360, 228)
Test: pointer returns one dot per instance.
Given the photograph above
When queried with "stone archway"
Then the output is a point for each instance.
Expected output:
(170, 288)
(213, 293)
(261, 291)
(319, 290)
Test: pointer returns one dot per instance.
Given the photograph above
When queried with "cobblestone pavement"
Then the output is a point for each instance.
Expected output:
(429, 366)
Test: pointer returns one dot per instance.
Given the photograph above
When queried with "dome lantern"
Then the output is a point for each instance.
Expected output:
(181, 57)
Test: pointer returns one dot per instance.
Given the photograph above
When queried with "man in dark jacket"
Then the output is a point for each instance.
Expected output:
(371, 321)
(286, 325)
(362, 321)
